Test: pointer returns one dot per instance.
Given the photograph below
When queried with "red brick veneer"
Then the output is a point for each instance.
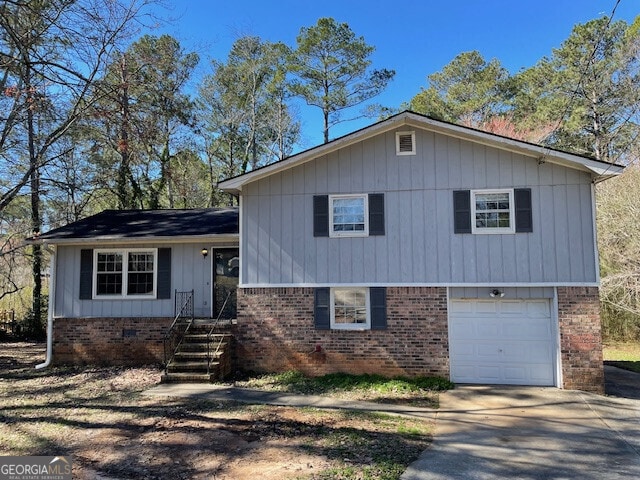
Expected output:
(275, 332)
(580, 338)
(109, 341)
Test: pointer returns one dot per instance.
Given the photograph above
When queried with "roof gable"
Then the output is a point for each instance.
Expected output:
(598, 169)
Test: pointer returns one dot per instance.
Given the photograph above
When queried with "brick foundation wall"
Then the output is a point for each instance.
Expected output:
(275, 332)
(109, 341)
(580, 338)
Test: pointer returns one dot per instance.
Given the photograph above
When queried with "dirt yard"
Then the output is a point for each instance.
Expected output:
(98, 417)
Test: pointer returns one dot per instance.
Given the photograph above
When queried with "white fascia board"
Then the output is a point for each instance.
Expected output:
(602, 170)
(234, 185)
(234, 238)
(418, 284)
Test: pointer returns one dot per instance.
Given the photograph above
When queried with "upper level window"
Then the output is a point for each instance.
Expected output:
(348, 216)
(350, 308)
(492, 211)
(125, 273)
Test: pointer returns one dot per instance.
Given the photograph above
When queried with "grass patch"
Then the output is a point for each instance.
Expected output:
(623, 355)
(415, 391)
(361, 452)
(98, 416)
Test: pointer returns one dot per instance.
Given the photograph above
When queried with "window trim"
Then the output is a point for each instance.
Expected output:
(349, 326)
(413, 142)
(362, 233)
(493, 230)
(125, 274)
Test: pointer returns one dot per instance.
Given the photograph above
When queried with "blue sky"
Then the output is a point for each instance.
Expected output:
(412, 37)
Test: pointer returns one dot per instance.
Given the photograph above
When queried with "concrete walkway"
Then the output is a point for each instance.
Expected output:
(533, 433)
(498, 432)
(245, 395)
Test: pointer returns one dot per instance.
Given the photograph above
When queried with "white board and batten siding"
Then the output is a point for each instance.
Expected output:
(419, 247)
(189, 270)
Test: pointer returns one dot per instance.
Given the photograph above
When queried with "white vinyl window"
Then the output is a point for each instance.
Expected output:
(130, 273)
(350, 309)
(492, 211)
(348, 216)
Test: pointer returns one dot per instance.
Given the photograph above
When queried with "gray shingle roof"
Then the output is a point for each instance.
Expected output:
(114, 224)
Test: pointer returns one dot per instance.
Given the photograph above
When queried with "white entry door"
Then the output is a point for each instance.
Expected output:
(504, 342)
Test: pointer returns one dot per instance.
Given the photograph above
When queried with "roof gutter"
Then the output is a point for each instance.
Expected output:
(146, 240)
(50, 309)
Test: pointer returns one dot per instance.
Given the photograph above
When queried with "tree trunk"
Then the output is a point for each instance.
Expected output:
(123, 142)
(326, 126)
(35, 323)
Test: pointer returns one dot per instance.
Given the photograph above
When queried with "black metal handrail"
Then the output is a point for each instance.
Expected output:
(210, 334)
(178, 329)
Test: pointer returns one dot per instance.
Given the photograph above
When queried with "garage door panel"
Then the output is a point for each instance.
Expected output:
(465, 350)
(502, 342)
(515, 374)
(517, 329)
(486, 307)
(538, 309)
(539, 352)
(464, 371)
(488, 373)
(486, 351)
(487, 329)
(516, 308)
(461, 307)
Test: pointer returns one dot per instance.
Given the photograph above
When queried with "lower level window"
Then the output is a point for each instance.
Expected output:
(125, 273)
(350, 308)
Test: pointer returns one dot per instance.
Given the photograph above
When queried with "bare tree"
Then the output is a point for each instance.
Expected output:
(51, 53)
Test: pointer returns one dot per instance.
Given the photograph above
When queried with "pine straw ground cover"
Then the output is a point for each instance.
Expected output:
(98, 417)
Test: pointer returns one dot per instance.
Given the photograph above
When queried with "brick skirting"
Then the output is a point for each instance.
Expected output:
(580, 338)
(109, 341)
(275, 332)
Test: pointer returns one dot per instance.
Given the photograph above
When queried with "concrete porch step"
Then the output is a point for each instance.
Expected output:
(203, 337)
(200, 347)
(195, 355)
(189, 362)
(192, 367)
(176, 377)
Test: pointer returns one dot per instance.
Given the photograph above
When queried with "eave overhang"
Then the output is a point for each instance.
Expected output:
(598, 169)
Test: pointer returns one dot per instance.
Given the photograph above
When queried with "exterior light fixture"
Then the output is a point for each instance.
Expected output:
(204, 252)
(496, 293)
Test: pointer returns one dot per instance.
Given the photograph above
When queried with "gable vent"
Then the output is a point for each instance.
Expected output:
(405, 143)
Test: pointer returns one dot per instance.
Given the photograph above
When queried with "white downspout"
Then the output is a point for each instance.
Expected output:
(50, 309)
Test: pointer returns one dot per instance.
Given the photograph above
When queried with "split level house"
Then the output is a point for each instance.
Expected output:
(409, 247)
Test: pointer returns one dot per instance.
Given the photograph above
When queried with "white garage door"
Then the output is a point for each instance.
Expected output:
(507, 342)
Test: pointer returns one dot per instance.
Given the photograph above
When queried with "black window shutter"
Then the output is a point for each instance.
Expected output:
(86, 274)
(524, 217)
(376, 214)
(378, 303)
(163, 289)
(322, 304)
(462, 211)
(321, 215)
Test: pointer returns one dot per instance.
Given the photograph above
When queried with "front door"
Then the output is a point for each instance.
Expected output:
(226, 266)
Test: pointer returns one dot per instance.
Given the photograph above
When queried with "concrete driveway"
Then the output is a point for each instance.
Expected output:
(497, 432)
